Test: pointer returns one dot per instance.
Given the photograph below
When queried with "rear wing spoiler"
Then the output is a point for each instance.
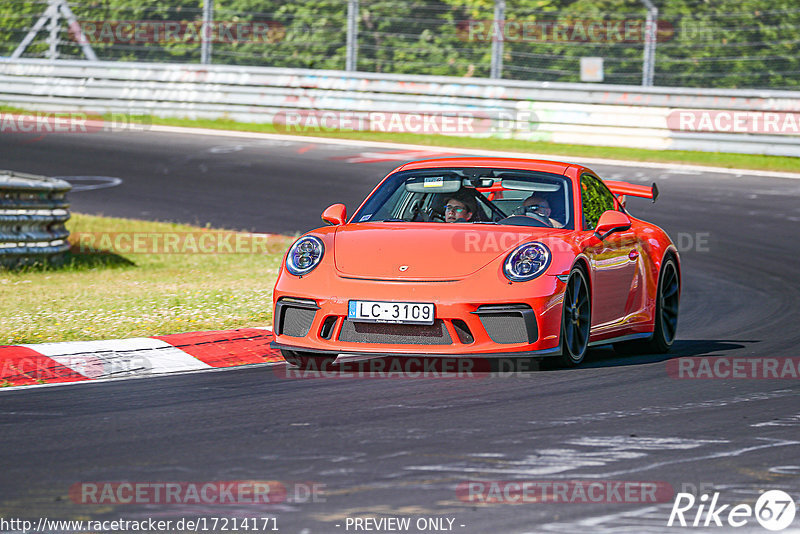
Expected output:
(624, 188)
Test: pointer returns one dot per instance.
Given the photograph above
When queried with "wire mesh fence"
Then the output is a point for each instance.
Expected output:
(698, 43)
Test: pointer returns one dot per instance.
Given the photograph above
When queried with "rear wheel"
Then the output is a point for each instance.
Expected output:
(307, 360)
(575, 319)
(666, 319)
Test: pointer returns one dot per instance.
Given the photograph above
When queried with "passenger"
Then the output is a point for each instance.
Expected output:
(459, 208)
(541, 207)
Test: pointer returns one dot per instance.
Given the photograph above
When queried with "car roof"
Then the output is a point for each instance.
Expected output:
(555, 167)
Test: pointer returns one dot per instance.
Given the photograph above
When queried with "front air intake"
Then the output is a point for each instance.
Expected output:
(508, 324)
(293, 317)
(395, 334)
(463, 331)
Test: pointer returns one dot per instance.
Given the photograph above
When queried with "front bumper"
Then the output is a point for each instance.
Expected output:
(517, 354)
(498, 319)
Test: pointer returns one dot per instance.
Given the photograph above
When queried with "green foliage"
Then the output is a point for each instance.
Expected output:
(596, 200)
(702, 43)
(15, 16)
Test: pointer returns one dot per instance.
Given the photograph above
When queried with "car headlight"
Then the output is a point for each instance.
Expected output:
(526, 262)
(304, 255)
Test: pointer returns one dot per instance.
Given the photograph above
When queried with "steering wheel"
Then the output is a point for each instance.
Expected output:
(541, 218)
(416, 211)
(433, 215)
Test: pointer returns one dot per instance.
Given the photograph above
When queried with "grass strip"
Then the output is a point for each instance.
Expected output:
(101, 293)
(709, 159)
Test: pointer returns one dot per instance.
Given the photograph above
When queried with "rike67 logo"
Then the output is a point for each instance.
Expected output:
(774, 510)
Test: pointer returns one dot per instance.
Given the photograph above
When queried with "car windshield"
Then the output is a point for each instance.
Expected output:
(472, 195)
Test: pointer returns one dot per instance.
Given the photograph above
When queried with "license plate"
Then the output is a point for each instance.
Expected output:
(367, 311)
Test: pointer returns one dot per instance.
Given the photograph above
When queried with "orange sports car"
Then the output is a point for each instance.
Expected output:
(480, 257)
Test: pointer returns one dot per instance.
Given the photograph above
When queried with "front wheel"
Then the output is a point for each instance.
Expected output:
(307, 360)
(575, 319)
(666, 319)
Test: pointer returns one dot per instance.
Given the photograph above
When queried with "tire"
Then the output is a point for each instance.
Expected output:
(307, 360)
(576, 319)
(666, 320)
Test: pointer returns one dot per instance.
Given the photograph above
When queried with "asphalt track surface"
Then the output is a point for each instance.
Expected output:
(400, 447)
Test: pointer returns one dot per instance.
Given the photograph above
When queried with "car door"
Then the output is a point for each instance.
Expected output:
(613, 261)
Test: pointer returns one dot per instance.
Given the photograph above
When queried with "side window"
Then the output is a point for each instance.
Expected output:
(596, 199)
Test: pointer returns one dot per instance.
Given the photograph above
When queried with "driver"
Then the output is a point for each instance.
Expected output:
(459, 208)
(539, 206)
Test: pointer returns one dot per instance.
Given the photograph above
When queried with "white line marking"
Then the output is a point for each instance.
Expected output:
(651, 411)
(602, 451)
(645, 444)
(793, 420)
(105, 181)
(785, 470)
(723, 454)
(226, 149)
(686, 173)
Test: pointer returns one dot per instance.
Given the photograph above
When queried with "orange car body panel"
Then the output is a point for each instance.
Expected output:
(624, 188)
(459, 268)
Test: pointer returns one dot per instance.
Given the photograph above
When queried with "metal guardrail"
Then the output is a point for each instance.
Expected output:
(33, 210)
(591, 114)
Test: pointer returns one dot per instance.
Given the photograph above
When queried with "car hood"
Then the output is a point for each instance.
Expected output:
(423, 251)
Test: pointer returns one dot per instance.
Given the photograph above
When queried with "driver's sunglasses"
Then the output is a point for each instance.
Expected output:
(535, 208)
(455, 209)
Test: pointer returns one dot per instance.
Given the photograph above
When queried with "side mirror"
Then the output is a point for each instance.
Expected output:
(611, 221)
(335, 215)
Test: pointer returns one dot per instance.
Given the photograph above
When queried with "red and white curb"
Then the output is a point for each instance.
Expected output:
(79, 361)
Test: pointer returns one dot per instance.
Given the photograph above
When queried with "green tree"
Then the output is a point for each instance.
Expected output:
(702, 43)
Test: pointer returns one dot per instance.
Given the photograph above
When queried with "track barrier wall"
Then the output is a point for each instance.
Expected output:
(307, 101)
